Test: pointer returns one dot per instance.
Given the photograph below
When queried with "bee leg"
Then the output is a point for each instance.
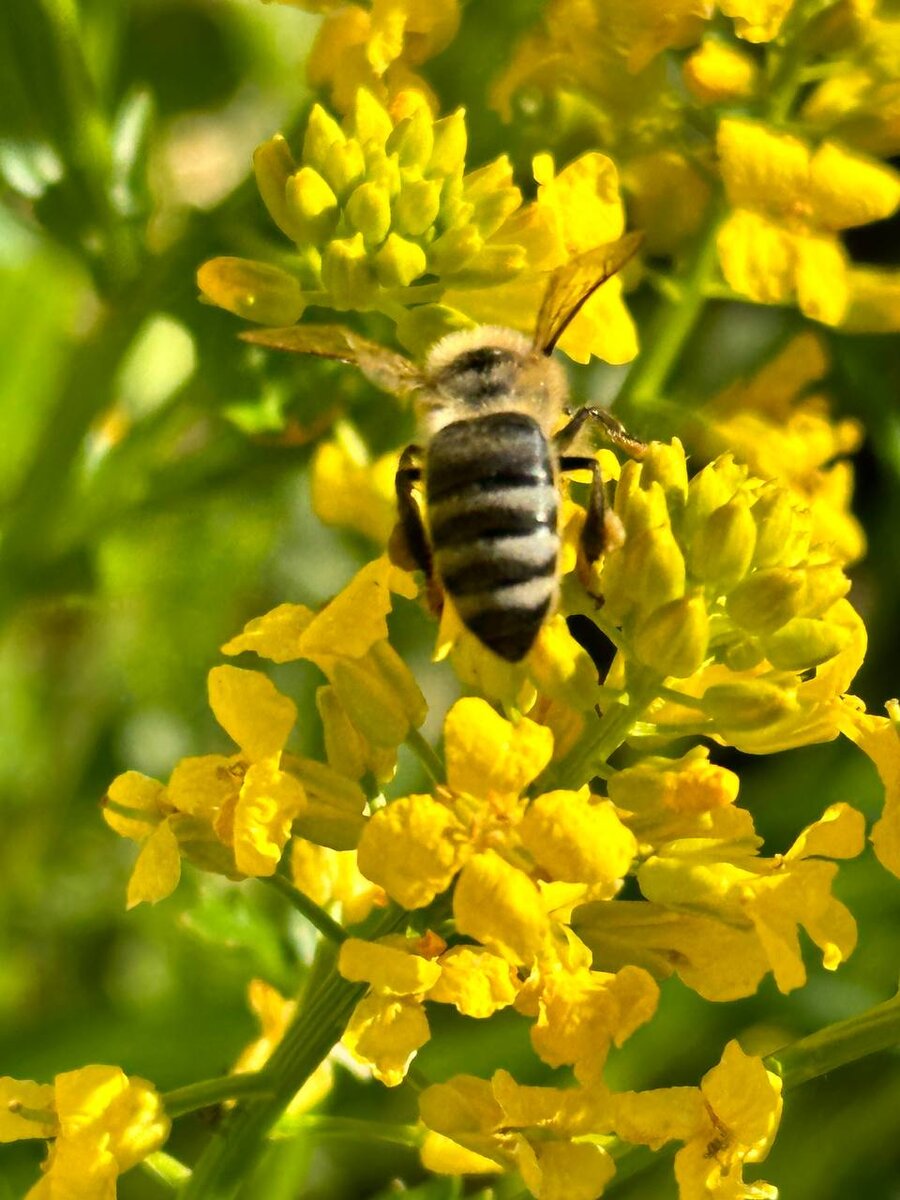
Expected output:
(594, 538)
(411, 530)
(614, 429)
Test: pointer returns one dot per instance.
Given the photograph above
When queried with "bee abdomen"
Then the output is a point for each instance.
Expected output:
(492, 511)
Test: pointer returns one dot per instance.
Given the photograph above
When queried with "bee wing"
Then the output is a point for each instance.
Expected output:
(574, 282)
(385, 368)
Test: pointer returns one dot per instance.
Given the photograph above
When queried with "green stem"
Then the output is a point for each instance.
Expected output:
(166, 1169)
(426, 755)
(213, 1091)
(320, 1021)
(351, 1129)
(674, 321)
(316, 915)
(844, 1042)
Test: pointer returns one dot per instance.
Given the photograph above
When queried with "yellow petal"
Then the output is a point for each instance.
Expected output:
(251, 710)
(23, 1093)
(655, 1117)
(445, 1157)
(567, 1170)
(203, 784)
(353, 493)
(476, 982)
(850, 189)
(756, 20)
(745, 1098)
(389, 970)
(158, 868)
(758, 257)
(386, 1033)
(878, 737)
(269, 802)
(138, 794)
(576, 839)
(413, 848)
(276, 635)
(840, 832)
(489, 756)
(500, 907)
(762, 169)
(821, 275)
(584, 198)
(717, 72)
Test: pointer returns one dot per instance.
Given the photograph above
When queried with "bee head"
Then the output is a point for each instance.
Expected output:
(489, 368)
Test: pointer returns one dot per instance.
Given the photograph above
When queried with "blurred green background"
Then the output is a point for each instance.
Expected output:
(150, 506)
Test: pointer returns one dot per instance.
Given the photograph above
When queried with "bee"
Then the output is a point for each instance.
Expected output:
(489, 401)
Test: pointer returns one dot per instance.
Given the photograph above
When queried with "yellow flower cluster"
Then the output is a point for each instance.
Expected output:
(99, 1122)
(609, 69)
(780, 425)
(385, 219)
(376, 45)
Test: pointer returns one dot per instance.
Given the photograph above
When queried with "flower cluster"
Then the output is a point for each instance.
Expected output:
(385, 219)
(99, 1122)
(614, 85)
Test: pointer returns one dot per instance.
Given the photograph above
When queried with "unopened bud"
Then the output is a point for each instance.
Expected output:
(413, 140)
(715, 73)
(399, 262)
(803, 643)
(673, 639)
(369, 212)
(449, 153)
(773, 514)
(747, 704)
(273, 165)
(311, 206)
(826, 583)
(665, 464)
(346, 273)
(322, 133)
(722, 551)
(417, 206)
(344, 167)
(767, 599)
(654, 568)
(454, 250)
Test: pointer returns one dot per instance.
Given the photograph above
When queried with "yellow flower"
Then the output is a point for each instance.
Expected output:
(731, 1119)
(547, 1134)
(101, 1122)
(780, 241)
(232, 815)
(756, 20)
(773, 896)
(377, 49)
(878, 737)
(372, 700)
(332, 877)
(353, 492)
(773, 424)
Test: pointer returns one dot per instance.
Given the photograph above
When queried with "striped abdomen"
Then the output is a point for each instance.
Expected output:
(492, 509)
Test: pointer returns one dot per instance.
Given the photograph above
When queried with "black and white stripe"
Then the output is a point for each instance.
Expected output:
(492, 510)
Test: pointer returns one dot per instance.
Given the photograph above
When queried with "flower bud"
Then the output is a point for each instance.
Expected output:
(346, 272)
(767, 599)
(742, 655)
(710, 488)
(412, 140)
(344, 167)
(255, 290)
(371, 123)
(774, 517)
(645, 508)
(715, 73)
(673, 639)
(454, 249)
(654, 568)
(311, 206)
(826, 583)
(803, 643)
(273, 165)
(747, 704)
(399, 262)
(665, 464)
(448, 155)
(722, 551)
(369, 212)
(417, 206)
(322, 134)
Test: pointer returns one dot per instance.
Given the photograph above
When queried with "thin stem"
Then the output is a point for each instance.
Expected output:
(213, 1091)
(166, 1170)
(355, 1129)
(843, 1042)
(426, 755)
(674, 321)
(320, 1021)
(326, 925)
